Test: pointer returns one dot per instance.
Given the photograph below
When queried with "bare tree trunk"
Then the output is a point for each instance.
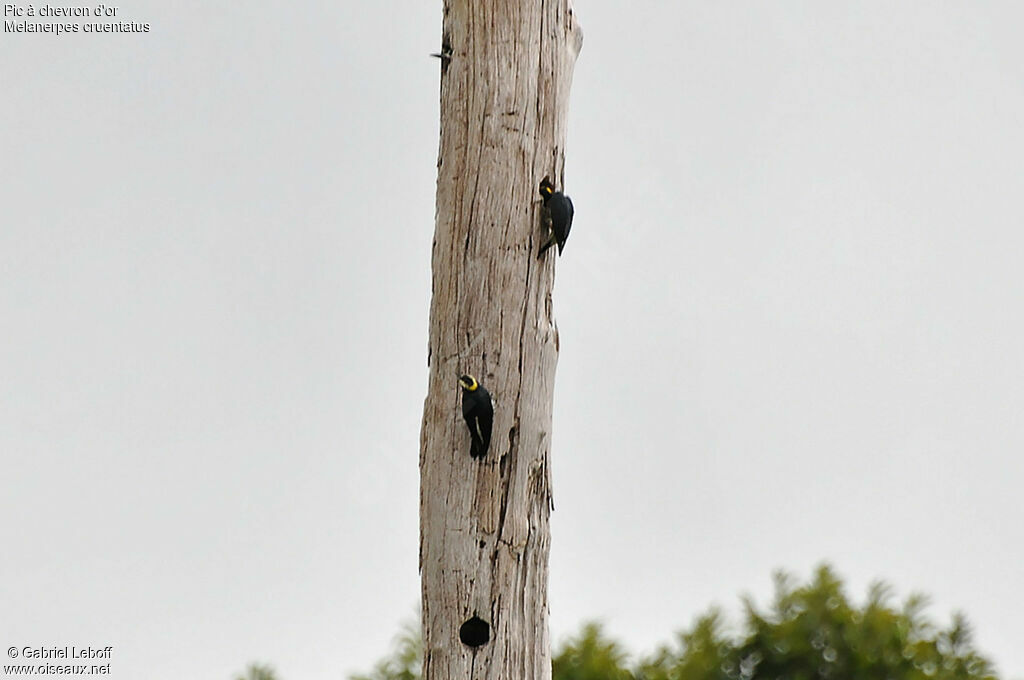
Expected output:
(506, 70)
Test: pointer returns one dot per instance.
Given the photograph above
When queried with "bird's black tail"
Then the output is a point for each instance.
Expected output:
(478, 444)
(477, 447)
(551, 242)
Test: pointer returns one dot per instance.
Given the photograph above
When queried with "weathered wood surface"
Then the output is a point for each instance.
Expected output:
(484, 533)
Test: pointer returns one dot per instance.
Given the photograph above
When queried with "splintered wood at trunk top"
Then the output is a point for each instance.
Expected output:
(484, 534)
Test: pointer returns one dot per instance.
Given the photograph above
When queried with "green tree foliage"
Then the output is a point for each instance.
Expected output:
(404, 662)
(813, 632)
(807, 632)
(257, 672)
(590, 656)
(703, 653)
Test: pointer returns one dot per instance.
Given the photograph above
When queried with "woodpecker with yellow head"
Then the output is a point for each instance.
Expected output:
(558, 214)
(479, 414)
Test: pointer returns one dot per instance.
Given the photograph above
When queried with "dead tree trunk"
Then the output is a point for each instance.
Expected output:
(506, 70)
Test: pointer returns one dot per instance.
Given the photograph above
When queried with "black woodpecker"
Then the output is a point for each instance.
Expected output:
(479, 415)
(559, 215)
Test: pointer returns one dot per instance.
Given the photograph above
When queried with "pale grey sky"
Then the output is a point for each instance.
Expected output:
(790, 312)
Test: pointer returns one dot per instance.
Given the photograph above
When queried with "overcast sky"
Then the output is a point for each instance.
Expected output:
(791, 316)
